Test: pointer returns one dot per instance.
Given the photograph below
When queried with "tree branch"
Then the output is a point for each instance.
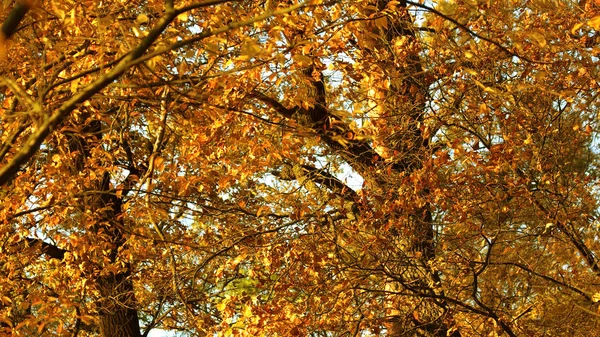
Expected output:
(9, 27)
(547, 278)
(46, 248)
(32, 144)
(471, 32)
(323, 177)
(331, 128)
(588, 255)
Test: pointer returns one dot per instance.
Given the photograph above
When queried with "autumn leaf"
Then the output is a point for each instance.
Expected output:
(299, 168)
(594, 22)
(538, 38)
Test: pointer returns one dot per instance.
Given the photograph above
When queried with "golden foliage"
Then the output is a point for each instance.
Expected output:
(291, 168)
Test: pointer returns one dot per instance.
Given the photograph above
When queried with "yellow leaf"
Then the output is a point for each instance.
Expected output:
(221, 306)
(41, 328)
(343, 142)
(87, 319)
(74, 85)
(576, 27)
(262, 210)
(5, 300)
(211, 48)
(249, 50)
(392, 5)
(483, 109)
(60, 13)
(491, 90)
(470, 72)
(399, 42)
(159, 163)
(142, 18)
(182, 68)
(303, 60)
(363, 137)
(538, 38)
(183, 17)
(248, 311)
(151, 63)
(381, 22)
(594, 22)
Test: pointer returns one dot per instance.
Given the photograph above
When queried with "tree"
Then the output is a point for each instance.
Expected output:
(185, 166)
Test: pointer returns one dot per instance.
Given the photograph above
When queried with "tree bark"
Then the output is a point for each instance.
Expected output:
(116, 305)
(118, 315)
(9, 27)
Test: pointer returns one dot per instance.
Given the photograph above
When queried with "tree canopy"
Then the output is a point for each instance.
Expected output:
(299, 168)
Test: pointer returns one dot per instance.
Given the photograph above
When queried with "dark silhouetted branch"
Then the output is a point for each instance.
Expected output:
(16, 15)
(46, 248)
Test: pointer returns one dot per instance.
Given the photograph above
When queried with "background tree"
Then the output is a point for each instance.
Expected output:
(300, 168)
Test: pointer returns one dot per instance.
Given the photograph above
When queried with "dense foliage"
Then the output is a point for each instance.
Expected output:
(286, 168)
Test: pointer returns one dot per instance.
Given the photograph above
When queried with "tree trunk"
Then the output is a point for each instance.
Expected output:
(116, 306)
(118, 315)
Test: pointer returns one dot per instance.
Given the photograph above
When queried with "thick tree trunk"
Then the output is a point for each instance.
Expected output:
(118, 316)
(116, 305)
(406, 99)
(406, 149)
